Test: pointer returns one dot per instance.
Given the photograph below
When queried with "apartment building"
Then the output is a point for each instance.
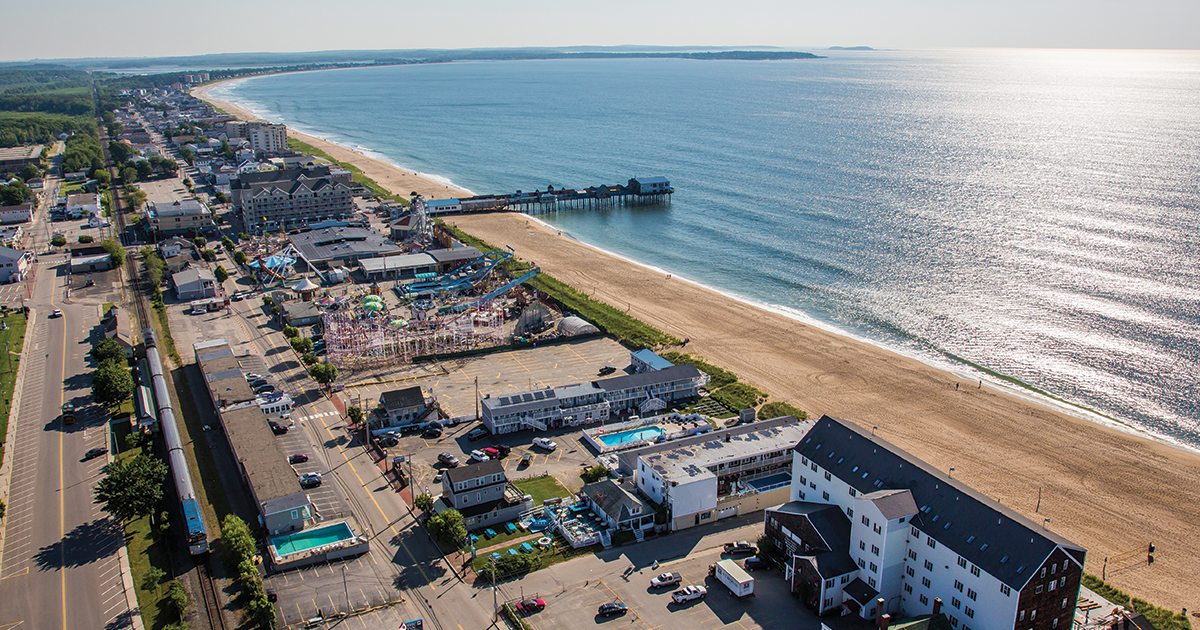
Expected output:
(869, 525)
(290, 198)
(179, 217)
(262, 136)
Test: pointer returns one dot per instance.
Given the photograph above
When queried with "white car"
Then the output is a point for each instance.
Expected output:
(545, 443)
(688, 593)
(479, 456)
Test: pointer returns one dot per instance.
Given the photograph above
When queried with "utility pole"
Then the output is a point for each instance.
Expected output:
(346, 588)
(476, 398)
(495, 606)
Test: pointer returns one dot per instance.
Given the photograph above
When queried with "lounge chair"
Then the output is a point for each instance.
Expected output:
(510, 528)
(489, 532)
(526, 548)
(513, 552)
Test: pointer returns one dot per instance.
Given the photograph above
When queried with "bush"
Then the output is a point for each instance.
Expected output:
(86, 238)
(738, 396)
(267, 301)
(779, 409)
(177, 597)
(594, 474)
(58, 241)
(114, 249)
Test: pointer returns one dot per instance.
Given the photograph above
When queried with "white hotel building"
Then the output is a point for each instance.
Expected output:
(870, 525)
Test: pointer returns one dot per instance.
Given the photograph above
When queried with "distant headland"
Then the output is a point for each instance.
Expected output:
(850, 48)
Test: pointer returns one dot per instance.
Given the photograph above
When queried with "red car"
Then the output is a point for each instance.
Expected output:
(492, 452)
(531, 606)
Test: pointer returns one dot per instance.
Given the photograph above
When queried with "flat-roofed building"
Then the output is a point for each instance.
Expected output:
(179, 217)
(20, 213)
(403, 267)
(13, 159)
(194, 283)
(342, 245)
(82, 205)
(452, 258)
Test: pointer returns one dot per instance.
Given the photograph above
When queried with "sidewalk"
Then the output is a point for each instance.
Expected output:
(11, 433)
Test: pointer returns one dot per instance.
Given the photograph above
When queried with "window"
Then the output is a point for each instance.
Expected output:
(1043, 572)
(970, 612)
(862, 544)
(925, 582)
(862, 564)
(955, 602)
(975, 570)
(1033, 614)
(850, 512)
(972, 594)
(828, 603)
(928, 565)
(929, 541)
(803, 481)
(1039, 588)
(828, 583)
(871, 581)
(866, 521)
(812, 484)
(875, 550)
(1064, 602)
(910, 572)
(912, 554)
(874, 569)
(1004, 589)
(825, 495)
(908, 588)
(962, 562)
(878, 529)
(845, 578)
(953, 621)
(828, 477)
(1054, 624)
(915, 533)
(1053, 585)
(958, 585)
(1062, 582)
(1054, 567)
(852, 492)
(924, 601)
(813, 467)
(1021, 616)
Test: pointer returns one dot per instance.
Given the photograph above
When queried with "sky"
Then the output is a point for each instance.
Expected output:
(144, 28)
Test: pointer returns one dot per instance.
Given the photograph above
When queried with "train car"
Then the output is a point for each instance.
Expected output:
(197, 534)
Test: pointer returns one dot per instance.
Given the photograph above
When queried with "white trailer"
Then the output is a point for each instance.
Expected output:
(734, 577)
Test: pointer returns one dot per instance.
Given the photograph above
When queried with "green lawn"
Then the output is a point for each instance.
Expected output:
(560, 551)
(499, 539)
(145, 547)
(14, 337)
(542, 488)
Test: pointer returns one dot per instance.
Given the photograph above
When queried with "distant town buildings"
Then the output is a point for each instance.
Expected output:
(13, 159)
(290, 198)
(262, 136)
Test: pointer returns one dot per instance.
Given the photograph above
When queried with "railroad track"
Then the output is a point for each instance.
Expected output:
(208, 593)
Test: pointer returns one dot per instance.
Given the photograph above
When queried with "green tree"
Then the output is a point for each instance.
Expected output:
(3, 508)
(323, 373)
(220, 274)
(302, 345)
(119, 151)
(136, 198)
(227, 243)
(152, 578)
(58, 241)
(199, 242)
(237, 538)
(177, 597)
(239, 257)
(594, 474)
(102, 177)
(355, 414)
(115, 249)
(267, 300)
(132, 487)
(447, 525)
(144, 169)
(86, 238)
(291, 332)
(208, 255)
(222, 197)
(14, 194)
(106, 350)
(111, 384)
(423, 502)
(129, 174)
(30, 171)
(309, 358)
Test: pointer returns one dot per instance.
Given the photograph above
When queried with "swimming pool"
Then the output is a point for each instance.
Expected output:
(310, 538)
(632, 435)
(772, 482)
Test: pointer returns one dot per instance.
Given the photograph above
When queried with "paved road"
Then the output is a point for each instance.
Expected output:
(60, 566)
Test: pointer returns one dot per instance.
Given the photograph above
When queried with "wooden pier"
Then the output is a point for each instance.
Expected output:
(637, 192)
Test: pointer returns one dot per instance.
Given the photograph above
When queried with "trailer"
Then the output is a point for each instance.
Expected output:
(732, 576)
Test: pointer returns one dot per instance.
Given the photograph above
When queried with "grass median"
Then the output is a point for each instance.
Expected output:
(13, 339)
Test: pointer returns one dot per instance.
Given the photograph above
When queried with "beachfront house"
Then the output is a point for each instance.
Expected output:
(482, 494)
(914, 537)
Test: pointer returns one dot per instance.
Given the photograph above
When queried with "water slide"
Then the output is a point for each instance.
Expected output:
(462, 279)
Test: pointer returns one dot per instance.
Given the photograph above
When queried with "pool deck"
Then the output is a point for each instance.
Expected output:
(342, 548)
(672, 426)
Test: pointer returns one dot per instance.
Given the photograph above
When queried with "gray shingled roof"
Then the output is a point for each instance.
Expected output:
(674, 373)
(978, 528)
(617, 502)
(831, 524)
(893, 503)
(401, 398)
(472, 471)
(832, 564)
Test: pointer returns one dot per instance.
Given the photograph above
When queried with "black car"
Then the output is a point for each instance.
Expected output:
(756, 563)
(432, 432)
(606, 370)
(504, 450)
(278, 429)
(612, 609)
(94, 453)
(478, 433)
(388, 440)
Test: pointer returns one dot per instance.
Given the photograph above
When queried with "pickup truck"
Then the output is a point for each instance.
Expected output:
(688, 593)
(666, 579)
(741, 546)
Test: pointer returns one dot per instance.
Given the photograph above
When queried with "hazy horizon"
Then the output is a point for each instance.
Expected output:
(141, 29)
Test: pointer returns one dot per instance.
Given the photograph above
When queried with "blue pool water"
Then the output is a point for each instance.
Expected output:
(310, 538)
(770, 482)
(632, 435)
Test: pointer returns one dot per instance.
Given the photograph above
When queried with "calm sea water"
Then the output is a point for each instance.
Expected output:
(1033, 212)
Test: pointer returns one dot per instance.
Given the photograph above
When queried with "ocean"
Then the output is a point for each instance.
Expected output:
(1019, 216)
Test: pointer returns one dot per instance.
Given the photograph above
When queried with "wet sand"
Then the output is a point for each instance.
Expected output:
(1107, 490)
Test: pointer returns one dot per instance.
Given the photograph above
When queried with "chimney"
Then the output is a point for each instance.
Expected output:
(937, 605)
(879, 604)
(885, 622)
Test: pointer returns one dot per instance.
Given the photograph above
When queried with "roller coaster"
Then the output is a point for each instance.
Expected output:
(197, 536)
(462, 279)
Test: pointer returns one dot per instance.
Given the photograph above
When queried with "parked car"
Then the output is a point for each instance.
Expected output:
(492, 453)
(95, 452)
(741, 546)
(258, 382)
(388, 440)
(254, 377)
(298, 458)
(432, 432)
(478, 433)
(504, 450)
(531, 606)
(277, 429)
(689, 593)
(438, 477)
(757, 562)
(666, 579)
(310, 480)
(526, 460)
(448, 459)
(612, 609)
(545, 443)
(606, 370)
(479, 456)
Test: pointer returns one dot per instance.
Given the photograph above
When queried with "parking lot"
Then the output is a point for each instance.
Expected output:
(574, 590)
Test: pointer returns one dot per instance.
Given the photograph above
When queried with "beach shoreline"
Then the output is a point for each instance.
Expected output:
(1106, 488)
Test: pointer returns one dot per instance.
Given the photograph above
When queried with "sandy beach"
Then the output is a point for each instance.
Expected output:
(399, 181)
(1105, 489)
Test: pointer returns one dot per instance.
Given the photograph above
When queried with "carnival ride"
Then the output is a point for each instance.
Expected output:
(277, 266)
